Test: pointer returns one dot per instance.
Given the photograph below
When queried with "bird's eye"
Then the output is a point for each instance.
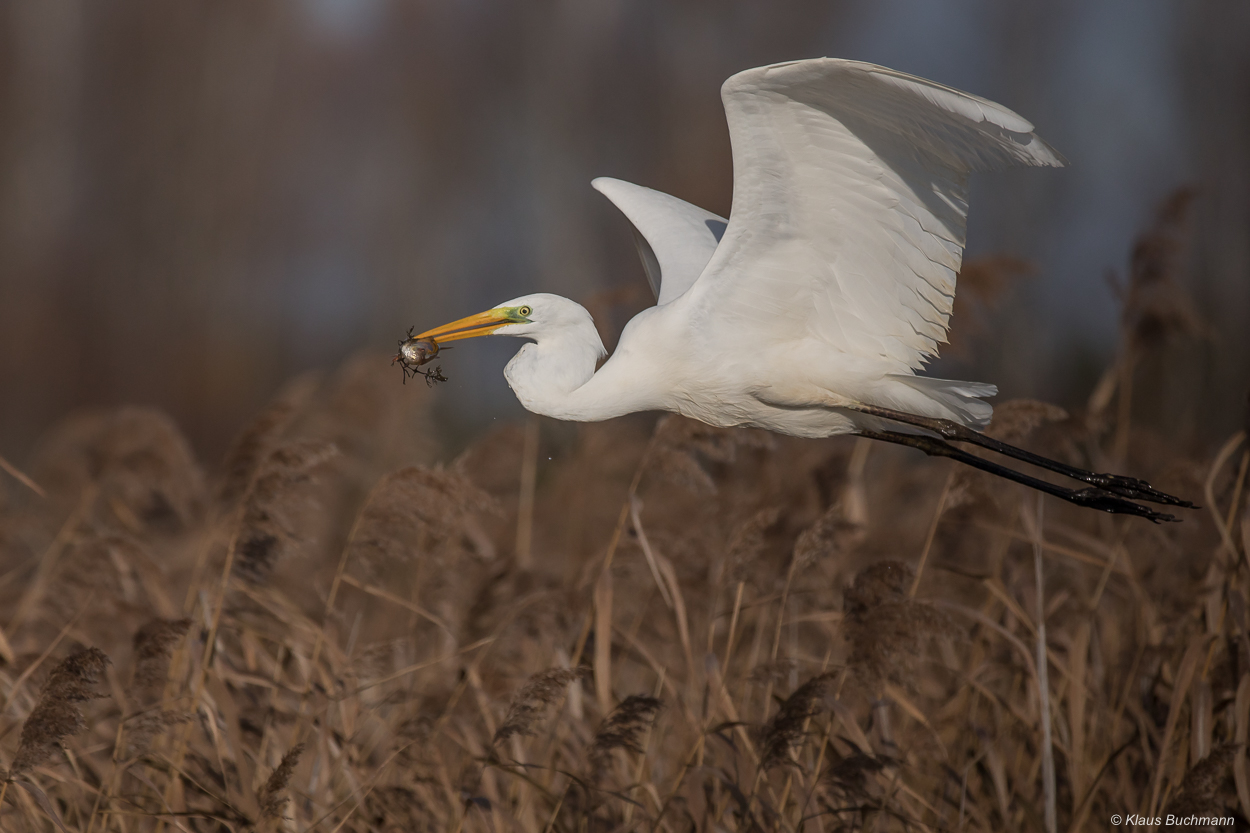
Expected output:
(525, 311)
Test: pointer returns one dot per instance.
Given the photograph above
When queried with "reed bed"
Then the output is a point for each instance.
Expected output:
(663, 627)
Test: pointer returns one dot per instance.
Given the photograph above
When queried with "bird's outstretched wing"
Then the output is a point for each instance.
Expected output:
(849, 204)
(675, 239)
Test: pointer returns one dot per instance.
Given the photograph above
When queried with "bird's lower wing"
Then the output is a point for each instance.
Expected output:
(850, 205)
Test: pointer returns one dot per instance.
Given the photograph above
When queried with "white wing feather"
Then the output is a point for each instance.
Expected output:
(849, 205)
(675, 239)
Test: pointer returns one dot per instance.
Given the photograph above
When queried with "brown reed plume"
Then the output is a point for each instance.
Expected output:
(1015, 420)
(832, 534)
(685, 448)
(415, 511)
(153, 645)
(849, 776)
(786, 729)
(982, 283)
(272, 795)
(748, 542)
(268, 528)
(622, 729)
(1155, 310)
(887, 629)
(142, 467)
(58, 714)
(530, 703)
(1156, 307)
(1207, 789)
(250, 448)
(143, 728)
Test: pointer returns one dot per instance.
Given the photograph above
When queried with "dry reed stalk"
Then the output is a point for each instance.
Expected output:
(1208, 489)
(933, 526)
(1049, 794)
(1184, 678)
(1078, 699)
(666, 579)
(35, 590)
(385, 595)
(603, 641)
(213, 614)
(21, 477)
(733, 626)
(601, 615)
(47, 652)
(635, 508)
(1241, 729)
(781, 615)
(525, 501)
(1240, 481)
(329, 606)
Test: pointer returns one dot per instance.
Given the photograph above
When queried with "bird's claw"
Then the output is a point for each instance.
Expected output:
(1096, 498)
(1134, 489)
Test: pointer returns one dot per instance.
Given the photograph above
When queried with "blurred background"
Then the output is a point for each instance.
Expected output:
(199, 200)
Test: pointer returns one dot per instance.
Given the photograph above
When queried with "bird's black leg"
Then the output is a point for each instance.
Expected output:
(1128, 487)
(1092, 497)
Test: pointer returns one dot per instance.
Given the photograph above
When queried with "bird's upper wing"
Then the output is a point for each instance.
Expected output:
(849, 204)
(675, 239)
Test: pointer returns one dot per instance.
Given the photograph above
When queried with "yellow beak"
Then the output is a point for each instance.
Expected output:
(482, 324)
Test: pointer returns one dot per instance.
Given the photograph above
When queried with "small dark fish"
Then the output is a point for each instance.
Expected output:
(414, 352)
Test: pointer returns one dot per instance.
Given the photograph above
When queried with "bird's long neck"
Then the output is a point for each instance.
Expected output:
(555, 376)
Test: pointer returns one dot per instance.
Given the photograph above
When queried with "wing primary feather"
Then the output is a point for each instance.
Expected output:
(850, 207)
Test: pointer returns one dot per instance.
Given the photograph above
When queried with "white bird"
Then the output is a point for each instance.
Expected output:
(809, 311)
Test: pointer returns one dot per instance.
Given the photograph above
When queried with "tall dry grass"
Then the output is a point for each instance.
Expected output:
(696, 629)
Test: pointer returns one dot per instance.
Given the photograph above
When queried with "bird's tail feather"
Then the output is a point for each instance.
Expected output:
(960, 401)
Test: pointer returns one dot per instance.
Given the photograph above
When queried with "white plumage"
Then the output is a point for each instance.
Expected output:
(827, 288)
(810, 310)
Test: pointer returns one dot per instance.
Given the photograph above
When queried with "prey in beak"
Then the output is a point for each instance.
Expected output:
(423, 348)
(415, 351)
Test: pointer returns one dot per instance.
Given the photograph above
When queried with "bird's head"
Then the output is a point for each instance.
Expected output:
(531, 316)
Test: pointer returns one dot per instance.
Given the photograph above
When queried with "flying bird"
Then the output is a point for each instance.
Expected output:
(811, 309)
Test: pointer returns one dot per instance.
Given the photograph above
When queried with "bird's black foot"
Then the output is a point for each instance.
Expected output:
(1131, 487)
(1092, 497)
(1108, 484)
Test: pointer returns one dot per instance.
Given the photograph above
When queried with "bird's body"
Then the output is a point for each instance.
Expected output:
(808, 311)
(664, 362)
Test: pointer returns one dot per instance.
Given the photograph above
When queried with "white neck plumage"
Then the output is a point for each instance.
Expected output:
(555, 376)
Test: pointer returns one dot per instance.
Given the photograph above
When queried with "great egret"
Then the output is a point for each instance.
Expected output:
(810, 310)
